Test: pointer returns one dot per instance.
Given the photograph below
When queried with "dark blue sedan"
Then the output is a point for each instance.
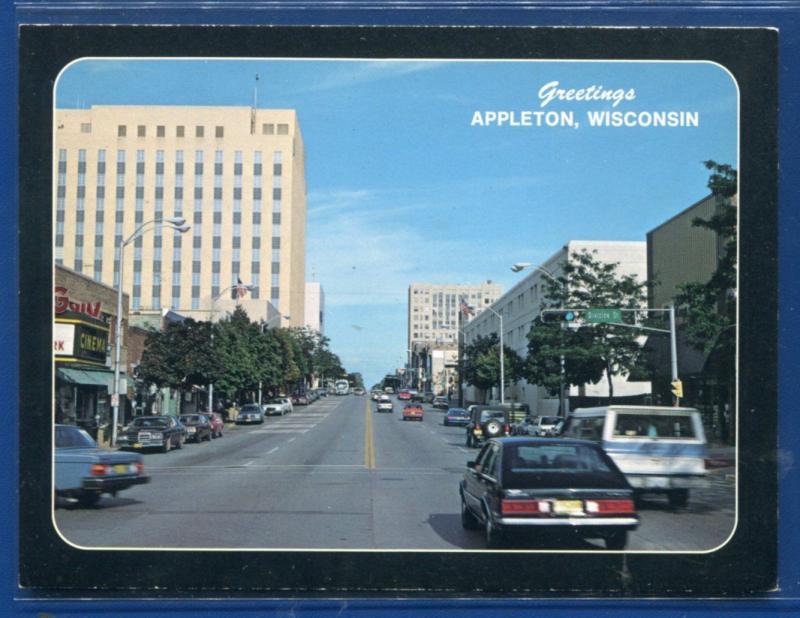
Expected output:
(456, 416)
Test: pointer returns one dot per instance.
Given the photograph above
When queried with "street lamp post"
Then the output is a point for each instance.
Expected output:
(247, 286)
(175, 223)
(522, 266)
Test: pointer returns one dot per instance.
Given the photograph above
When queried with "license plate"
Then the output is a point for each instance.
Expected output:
(568, 507)
(121, 468)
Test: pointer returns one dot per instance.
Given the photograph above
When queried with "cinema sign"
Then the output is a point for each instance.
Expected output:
(75, 341)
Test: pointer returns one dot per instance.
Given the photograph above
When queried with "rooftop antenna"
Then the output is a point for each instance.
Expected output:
(253, 109)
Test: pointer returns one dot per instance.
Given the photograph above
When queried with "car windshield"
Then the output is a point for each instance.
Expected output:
(487, 414)
(275, 400)
(551, 465)
(73, 437)
(456, 412)
(149, 422)
(191, 418)
(251, 407)
(653, 426)
(549, 420)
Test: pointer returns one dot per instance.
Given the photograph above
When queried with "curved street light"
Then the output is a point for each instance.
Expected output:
(177, 224)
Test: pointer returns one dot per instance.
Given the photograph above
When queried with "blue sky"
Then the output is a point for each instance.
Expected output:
(401, 188)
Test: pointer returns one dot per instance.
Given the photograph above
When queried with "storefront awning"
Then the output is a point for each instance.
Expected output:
(88, 377)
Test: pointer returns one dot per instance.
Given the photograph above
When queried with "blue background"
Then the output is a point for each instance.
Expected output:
(16, 602)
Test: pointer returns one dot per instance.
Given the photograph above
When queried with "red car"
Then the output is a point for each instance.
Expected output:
(404, 396)
(217, 424)
(413, 412)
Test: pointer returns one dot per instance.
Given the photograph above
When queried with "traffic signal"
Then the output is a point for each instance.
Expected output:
(557, 315)
(677, 388)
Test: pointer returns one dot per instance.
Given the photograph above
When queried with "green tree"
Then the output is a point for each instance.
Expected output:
(180, 356)
(590, 351)
(482, 363)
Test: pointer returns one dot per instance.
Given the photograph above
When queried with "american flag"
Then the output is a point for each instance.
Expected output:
(465, 309)
(241, 289)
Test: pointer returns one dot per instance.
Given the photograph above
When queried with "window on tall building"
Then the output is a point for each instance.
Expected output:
(268, 129)
(140, 130)
(122, 130)
(180, 131)
(283, 129)
(161, 130)
(86, 127)
(219, 131)
(199, 131)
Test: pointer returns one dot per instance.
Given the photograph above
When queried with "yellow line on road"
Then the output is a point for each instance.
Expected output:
(369, 445)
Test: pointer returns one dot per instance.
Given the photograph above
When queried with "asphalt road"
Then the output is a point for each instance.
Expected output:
(338, 475)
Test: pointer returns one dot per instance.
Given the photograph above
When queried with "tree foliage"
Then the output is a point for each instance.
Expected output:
(590, 351)
(482, 363)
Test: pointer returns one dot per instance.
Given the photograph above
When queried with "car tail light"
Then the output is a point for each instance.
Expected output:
(507, 429)
(524, 507)
(607, 507)
(139, 467)
(477, 431)
(99, 469)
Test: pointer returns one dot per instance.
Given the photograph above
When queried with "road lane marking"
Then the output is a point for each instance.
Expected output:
(273, 450)
(369, 446)
(290, 440)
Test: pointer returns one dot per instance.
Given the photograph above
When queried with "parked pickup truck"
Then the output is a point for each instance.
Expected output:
(84, 471)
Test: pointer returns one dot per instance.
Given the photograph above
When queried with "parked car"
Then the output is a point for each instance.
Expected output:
(661, 450)
(548, 485)
(358, 391)
(428, 397)
(416, 395)
(413, 412)
(278, 406)
(217, 424)
(250, 413)
(300, 399)
(455, 416)
(385, 404)
(487, 422)
(538, 426)
(161, 432)
(84, 471)
(198, 427)
(441, 403)
(404, 396)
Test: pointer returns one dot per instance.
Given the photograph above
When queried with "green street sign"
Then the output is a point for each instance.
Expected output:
(603, 314)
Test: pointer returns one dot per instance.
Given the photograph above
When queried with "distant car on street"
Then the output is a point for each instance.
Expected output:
(456, 416)
(198, 427)
(250, 413)
(278, 406)
(385, 404)
(413, 412)
(161, 432)
(358, 391)
(404, 396)
(441, 403)
(84, 471)
(375, 395)
(486, 422)
(300, 399)
(550, 485)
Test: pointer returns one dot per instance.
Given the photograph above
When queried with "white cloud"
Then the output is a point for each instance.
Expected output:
(347, 75)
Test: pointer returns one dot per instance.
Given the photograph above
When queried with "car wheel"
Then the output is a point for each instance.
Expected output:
(678, 498)
(88, 498)
(166, 445)
(493, 428)
(494, 538)
(468, 519)
(617, 540)
(180, 442)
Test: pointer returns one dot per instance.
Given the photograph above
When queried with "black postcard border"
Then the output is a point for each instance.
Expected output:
(746, 566)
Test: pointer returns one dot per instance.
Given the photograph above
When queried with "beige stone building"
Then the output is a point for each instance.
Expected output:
(433, 321)
(237, 176)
